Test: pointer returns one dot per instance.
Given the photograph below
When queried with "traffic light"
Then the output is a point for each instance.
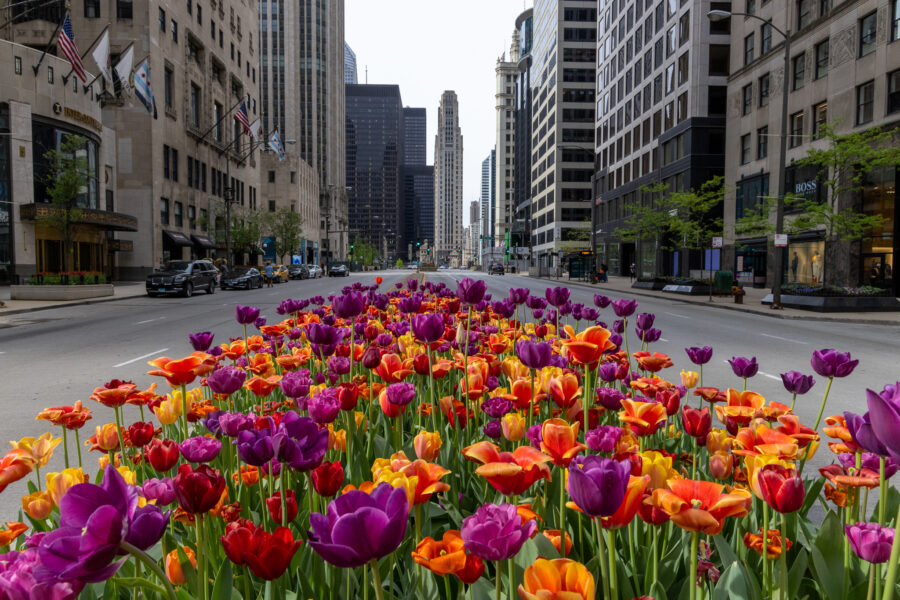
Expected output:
(418, 244)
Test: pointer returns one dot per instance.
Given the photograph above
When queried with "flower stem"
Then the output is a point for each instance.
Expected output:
(695, 547)
(822, 406)
(376, 579)
(782, 560)
(871, 594)
(446, 587)
(613, 574)
(78, 447)
(66, 445)
(498, 585)
(767, 575)
(562, 514)
(892, 565)
(152, 565)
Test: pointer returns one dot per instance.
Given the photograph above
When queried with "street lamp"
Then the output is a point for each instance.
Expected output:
(721, 15)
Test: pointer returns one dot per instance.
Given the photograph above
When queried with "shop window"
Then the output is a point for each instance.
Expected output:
(806, 262)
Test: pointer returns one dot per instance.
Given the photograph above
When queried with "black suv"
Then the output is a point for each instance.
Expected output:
(183, 277)
(496, 269)
(298, 272)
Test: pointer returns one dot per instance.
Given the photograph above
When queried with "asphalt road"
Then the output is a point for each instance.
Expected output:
(55, 357)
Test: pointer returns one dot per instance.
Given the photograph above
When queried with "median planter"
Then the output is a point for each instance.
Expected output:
(687, 289)
(838, 303)
(60, 292)
(649, 285)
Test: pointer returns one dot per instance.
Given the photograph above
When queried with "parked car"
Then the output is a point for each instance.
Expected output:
(245, 278)
(339, 271)
(412, 266)
(281, 274)
(496, 269)
(298, 272)
(315, 271)
(182, 277)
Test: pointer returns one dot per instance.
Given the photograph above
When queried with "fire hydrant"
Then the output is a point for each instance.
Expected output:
(738, 293)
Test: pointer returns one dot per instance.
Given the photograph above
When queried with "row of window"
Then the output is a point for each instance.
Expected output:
(177, 216)
(124, 9)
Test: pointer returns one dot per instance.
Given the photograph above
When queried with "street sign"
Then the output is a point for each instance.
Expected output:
(781, 240)
(717, 242)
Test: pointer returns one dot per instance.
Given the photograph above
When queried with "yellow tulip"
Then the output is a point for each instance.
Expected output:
(59, 483)
(427, 445)
(689, 379)
(659, 468)
(128, 475)
(170, 409)
(400, 481)
(40, 449)
(37, 505)
(513, 426)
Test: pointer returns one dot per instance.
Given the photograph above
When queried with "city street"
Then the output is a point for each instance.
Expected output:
(55, 357)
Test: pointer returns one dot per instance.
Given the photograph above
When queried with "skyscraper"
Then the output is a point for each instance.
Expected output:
(487, 204)
(350, 75)
(504, 169)
(414, 122)
(418, 189)
(374, 134)
(448, 181)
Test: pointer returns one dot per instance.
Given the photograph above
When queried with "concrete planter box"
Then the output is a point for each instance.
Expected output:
(838, 303)
(648, 285)
(690, 290)
(60, 292)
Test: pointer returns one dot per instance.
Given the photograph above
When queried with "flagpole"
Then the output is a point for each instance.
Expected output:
(100, 74)
(115, 73)
(91, 47)
(37, 67)
(225, 114)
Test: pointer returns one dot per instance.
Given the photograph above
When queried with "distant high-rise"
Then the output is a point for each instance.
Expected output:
(374, 134)
(487, 202)
(504, 170)
(350, 75)
(414, 122)
(448, 181)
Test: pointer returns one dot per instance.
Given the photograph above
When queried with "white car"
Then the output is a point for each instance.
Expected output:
(315, 271)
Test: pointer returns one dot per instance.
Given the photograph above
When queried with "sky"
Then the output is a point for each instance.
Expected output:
(428, 46)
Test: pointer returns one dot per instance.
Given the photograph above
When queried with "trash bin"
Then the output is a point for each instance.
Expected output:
(722, 281)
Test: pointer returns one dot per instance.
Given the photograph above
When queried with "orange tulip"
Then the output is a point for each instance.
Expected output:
(13, 530)
(648, 386)
(555, 538)
(441, 557)
(852, 477)
(70, 417)
(837, 428)
(255, 342)
(644, 418)
(427, 476)
(114, 396)
(634, 494)
(510, 473)
(560, 441)
(234, 350)
(391, 369)
(180, 371)
(512, 424)
(37, 505)
(558, 579)
(261, 387)
(249, 475)
(564, 390)
(774, 543)
(587, 347)
(765, 440)
(720, 465)
(527, 514)
(803, 435)
(427, 445)
(106, 438)
(739, 409)
(701, 505)
(654, 362)
(261, 364)
(173, 566)
(40, 448)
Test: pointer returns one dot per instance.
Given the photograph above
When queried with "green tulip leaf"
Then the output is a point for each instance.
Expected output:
(827, 557)
(732, 585)
(223, 589)
(796, 573)
(658, 592)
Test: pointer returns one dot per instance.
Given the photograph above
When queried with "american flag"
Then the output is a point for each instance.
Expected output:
(66, 41)
(241, 117)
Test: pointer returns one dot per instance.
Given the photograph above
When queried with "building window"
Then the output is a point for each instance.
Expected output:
(179, 217)
(204, 213)
(745, 149)
(174, 164)
(271, 206)
(162, 20)
(124, 9)
(192, 216)
(190, 7)
(174, 31)
(867, 31)
(865, 101)
(762, 143)
(824, 7)
(765, 38)
(271, 176)
(804, 13)
(168, 89)
(893, 101)
(820, 118)
(822, 52)
(92, 9)
(164, 211)
(683, 68)
(199, 17)
(796, 129)
(750, 8)
(895, 20)
(166, 159)
(798, 71)
(49, 74)
(748, 49)
(747, 98)
(195, 105)
(217, 118)
(190, 171)
(18, 66)
(764, 82)
(202, 169)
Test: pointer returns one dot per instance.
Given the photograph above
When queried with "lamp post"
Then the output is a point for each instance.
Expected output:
(721, 15)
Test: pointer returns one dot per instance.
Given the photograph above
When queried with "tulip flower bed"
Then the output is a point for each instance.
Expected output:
(425, 442)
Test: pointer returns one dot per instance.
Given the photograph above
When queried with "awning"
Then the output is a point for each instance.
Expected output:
(202, 241)
(179, 239)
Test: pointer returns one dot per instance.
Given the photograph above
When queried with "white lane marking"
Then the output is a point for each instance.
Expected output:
(679, 316)
(770, 376)
(775, 337)
(660, 339)
(149, 320)
(148, 355)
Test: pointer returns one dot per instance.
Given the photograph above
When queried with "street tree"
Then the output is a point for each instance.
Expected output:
(286, 227)
(246, 231)
(364, 251)
(67, 180)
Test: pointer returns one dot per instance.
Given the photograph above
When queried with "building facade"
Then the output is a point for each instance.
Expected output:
(350, 74)
(415, 121)
(844, 71)
(41, 114)
(293, 185)
(448, 182)
(488, 249)
(472, 235)
(660, 120)
(419, 202)
(504, 146)
(375, 153)
(563, 72)
(521, 238)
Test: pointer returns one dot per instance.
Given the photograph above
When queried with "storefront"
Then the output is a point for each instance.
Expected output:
(877, 250)
(750, 262)
(174, 243)
(805, 262)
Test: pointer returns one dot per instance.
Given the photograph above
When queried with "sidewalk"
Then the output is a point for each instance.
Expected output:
(121, 291)
(752, 303)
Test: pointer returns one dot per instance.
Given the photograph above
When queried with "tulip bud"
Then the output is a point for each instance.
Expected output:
(689, 379)
(721, 465)
(173, 566)
(513, 426)
(427, 445)
(273, 503)
(371, 357)
(327, 478)
(140, 434)
(420, 364)
(37, 505)
(540, 331)
(371, 332)
(348, 394)
(162, 454)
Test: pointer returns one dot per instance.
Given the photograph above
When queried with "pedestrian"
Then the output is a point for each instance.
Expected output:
(270, 274)
(604, 275)
(632, 271)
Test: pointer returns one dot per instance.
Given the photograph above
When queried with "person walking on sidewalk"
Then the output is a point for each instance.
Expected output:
(270, 274)
(632, 271)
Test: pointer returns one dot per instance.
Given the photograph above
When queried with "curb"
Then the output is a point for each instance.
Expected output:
(737, 308)
(18, 311)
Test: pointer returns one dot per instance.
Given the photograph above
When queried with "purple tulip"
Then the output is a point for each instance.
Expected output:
(616, 339)
(517, 296)
(410, 305)
(310, 442)
(868, 460)
(21, 573)
(246, 315)
(699, 356)
(870, 541)
(324, 335)
(535, 303)
(597, 484)
(339, 365)
(603, 438)
(884, 412)
(534, 355)
(624, 308)
(610, 398)
(607, 372)
(200, 449)
(428, 327)
(504, 308)
(295, 384)
(831, 363)
(645, 320)
(324, 406)
(557, 296)
(535, 435)
(260, 322)
(860, 428)
(743, 367)
(471, 291)
(211, 422)
(495, 532)
(349, 305)
(226, 380)
(255, 446)
(590, 314)
(496, 406)
(232, 424)
(201, 341)
(648, 336)
(289, 307)
(493, 429)
(601, 301)
(358, 527)
(400, 394)
(161, 490)
(796, 382)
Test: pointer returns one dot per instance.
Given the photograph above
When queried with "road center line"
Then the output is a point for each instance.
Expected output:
(148, 355)
(149, 320)
(770, 376)
(775, 337)
(679, 316)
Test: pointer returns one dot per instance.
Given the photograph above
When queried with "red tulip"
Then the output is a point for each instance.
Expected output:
(239, 538)
(671, 399)
(420, 365)
(162, 454)
(198, 490)
(348, 394)
(140, 434)
(781, 488)
(328, 478)
(273, 503)
(272, 553)
(697, 422)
